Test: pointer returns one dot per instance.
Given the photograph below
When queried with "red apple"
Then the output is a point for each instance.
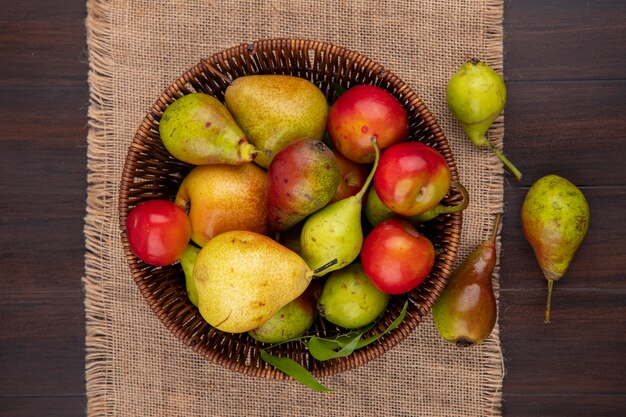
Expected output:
(396, 257)
(352, 176)
(412, 178)
(363, 112)
(158, 232)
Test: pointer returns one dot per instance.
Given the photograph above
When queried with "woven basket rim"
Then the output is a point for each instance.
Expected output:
(245, 54)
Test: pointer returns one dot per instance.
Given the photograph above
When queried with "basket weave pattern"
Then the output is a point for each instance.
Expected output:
(151, 172)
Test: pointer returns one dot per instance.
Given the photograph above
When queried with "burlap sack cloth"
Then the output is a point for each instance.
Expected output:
(135, 366)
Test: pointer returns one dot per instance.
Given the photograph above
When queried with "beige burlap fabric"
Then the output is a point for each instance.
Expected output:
(134, 365)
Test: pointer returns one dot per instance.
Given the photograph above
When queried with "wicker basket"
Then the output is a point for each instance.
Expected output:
(151, 172)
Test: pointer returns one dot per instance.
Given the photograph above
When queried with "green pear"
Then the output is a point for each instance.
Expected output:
(243, 278)
(555, 219)
(199, 130)
(476, 96)
(350, 300)
(188, 261)
(375, 210)
(291, 321)
(335, 232)
(276, 110)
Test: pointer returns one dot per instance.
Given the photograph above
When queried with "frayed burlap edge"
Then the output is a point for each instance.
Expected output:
(99, 347)
(493, 359)
(99, 350)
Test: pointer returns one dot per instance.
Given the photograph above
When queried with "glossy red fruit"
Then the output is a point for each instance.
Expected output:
(412, 178)
(396, 257)
(363, 112)
(158, 232)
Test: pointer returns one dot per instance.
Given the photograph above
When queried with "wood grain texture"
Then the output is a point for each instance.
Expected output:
(564, 39)
(564, 66)
(43, 45)
(44, 168)
(42, 343)
(574, 129)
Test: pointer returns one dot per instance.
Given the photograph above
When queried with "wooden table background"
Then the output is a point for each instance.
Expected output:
(565, 69)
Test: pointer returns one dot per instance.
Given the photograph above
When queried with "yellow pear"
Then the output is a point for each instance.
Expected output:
(243, 278)
(276, 110)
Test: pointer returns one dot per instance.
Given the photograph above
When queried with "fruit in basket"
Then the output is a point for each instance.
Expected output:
(352, 176)
(243, 278)
(291, 321)
(396, 257)
(290, 238)
(158, 232)
(412, 178)
(187, 261)
(466, 311)
(199, 130)
(335, 232)
(223, 197)
(476, 95)
(555, 219)
(303, 177)
(375, 210)
(362, 112)
(275, 110)
(350, 300)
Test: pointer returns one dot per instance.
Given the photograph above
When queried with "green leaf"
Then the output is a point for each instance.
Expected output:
(339, 89)
(294, 370)
(323, 350)
(391, 327)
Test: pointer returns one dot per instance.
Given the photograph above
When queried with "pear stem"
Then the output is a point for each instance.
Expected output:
(494, 234)
(361, 193)
(325, 266)
(547, 316)
(516, 172)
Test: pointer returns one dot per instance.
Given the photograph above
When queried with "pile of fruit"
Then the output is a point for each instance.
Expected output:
(269, 224)
(276, 201)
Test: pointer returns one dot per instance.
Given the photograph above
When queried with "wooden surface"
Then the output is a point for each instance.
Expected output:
(565, 68)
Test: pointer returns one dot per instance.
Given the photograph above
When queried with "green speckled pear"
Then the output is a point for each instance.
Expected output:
(350, 300)
(243, 278)
(476, 96)
(276, 110)
(199, 130)
(187, 261)
(291, 321)
(555, 219)
(335, 232)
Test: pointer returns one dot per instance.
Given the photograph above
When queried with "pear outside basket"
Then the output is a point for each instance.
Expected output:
(151, 172)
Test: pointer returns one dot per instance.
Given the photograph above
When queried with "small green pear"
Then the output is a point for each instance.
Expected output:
(187, 261)
(476, 96)
(349, 299)
(335, 232)
(243, 278)
(555, 219)
(276, 110)
(291, 321)
(199, 130)
(375, 210)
